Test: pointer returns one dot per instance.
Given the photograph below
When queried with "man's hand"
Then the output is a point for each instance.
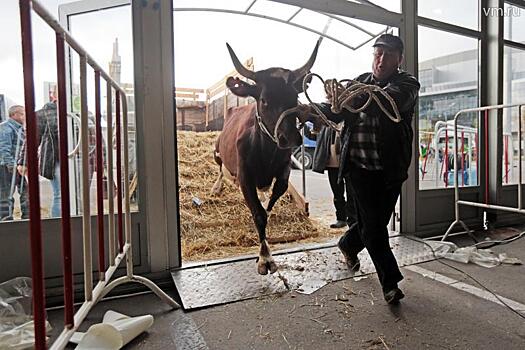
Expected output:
(327, 89)
(22, 170)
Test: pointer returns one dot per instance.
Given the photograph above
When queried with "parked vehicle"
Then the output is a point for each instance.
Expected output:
(309, 149)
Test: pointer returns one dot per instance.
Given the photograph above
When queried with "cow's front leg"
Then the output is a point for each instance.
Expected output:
(279, 188)
(260, 217)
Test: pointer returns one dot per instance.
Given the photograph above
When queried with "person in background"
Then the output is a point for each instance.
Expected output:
(48, 155)
(326, 157)
(12, 137)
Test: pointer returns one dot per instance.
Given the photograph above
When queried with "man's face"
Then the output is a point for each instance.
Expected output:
(20, 116)
(386, 61)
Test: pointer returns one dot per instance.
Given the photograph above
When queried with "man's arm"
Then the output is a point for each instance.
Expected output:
(6, 144)
(403, 91)
(345, 115)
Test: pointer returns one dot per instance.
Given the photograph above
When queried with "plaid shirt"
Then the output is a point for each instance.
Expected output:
(363, 147)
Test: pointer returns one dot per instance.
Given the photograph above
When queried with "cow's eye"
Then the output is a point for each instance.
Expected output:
(264, 102)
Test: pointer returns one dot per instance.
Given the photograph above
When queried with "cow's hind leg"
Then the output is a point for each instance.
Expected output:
(260, 217)
(217, 186)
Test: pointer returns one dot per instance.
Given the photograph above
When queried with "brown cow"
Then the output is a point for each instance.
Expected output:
(251, 151)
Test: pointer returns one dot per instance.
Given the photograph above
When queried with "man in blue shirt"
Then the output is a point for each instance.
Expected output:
(12, 137)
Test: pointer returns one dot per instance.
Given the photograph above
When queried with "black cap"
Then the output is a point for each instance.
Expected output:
(390, 41)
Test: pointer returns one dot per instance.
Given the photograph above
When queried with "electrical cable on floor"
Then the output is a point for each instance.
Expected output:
(492, 243)
(439, 259)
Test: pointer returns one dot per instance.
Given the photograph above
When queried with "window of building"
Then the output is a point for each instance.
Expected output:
(462, 13)
(514, 22)
(449, 78)
(513, 93)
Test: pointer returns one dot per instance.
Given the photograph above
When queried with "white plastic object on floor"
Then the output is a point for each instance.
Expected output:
(16, 321)
(115, 331)
(481, 257)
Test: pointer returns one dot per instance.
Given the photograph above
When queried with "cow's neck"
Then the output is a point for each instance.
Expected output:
(269, 152)
(265, 143)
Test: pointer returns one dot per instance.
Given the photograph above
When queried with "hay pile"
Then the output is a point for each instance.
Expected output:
(222, 225)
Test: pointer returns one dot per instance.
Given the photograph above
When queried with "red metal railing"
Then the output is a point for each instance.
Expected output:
(35, 228)
(64, 182)
(92, 295)
(119, 175)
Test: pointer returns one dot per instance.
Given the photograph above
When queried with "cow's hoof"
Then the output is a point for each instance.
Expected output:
(272, 266)
(262, 269)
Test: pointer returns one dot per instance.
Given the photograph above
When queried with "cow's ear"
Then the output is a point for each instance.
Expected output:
(241, 88)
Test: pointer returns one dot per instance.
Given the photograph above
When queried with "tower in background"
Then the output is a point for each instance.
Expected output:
(114, 65)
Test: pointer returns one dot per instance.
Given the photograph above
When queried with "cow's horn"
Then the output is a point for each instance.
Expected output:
(301, 72)
(245, 72)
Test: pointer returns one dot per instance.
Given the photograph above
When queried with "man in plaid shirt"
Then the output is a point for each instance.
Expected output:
(375, 155)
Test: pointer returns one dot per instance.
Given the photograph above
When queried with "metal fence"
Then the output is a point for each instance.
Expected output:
(119, 238)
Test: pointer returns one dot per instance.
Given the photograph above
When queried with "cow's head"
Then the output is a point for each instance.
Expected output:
(275, 90)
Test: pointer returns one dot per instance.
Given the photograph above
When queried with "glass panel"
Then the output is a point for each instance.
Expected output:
(513, 92)
(462, 13)
(96, 32)
(390, 5)
(514, 22)
(448, 74)
(274, 9)
(200, 112)
(235, 5)
(107, 36)
(311, 19)
(13, 186)
(348, 33)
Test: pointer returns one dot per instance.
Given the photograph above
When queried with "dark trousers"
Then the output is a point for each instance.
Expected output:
(375, 201)
(344, 207)
(7, 190)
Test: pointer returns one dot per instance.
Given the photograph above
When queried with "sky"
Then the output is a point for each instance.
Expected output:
(200, 55)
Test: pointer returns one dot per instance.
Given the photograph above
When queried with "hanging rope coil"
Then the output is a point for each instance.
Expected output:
(340, 96)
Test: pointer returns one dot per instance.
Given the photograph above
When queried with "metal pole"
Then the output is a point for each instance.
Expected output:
(506, 157)
(478, 153)
(445, 158)
(86, 215)
(119, 173)
(64, 183)
(14, 175)
(111, 193)
(462, 158)
(519, 157)
(486, 132)
(456, 183)
(100, 171)
(303, 170)
(35, 229)
(129, 256)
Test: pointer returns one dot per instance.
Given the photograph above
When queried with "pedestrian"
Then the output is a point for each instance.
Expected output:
(12, 137)
(326, 157)
(48, 155)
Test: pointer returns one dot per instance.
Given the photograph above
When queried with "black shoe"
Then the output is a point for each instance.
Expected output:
(394, 295)
(352, 261)
(338, 224)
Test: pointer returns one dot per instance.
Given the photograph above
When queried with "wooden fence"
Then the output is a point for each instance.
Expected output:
(196, 107)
